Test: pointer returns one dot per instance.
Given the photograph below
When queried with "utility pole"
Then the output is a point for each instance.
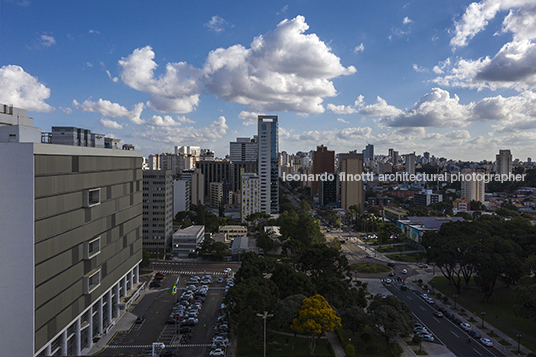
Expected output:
(264, 317)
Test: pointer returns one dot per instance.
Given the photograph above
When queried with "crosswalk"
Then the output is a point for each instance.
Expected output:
(170, 345)
(182, 272)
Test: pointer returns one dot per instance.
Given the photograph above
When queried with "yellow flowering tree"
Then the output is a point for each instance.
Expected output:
(315, 317)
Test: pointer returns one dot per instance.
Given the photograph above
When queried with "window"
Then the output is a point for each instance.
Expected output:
(91, 248)
(91, 281)
(91, 197)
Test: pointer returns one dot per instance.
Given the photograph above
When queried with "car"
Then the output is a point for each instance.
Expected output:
(430, 301)
(140, 319)
(420, 329)
(424, 296)
(227, 270)
(417, 324)
(217, 352)
(423, 265)
(403, 287)
(428, 338)
(185, 330)
(387, 281)
(220, 339)
(474, 334)
(380, 295)
(220, 280)
(160, 276)
(392, 273)
(456, 320)
(486, 342)
(155, 284)
(391, 264)
(404, 271)
(465, 326)
(369, 256)
(438, 313)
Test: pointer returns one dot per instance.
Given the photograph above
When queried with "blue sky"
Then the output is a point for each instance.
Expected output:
(455, 78)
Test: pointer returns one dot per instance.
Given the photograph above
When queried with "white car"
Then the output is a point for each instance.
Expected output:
(486, 341)
(220, 339)
(217, 352)
(387, 281)
(465, 326)
(428, 338)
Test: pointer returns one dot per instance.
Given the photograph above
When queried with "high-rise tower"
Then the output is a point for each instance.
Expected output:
(268, 169)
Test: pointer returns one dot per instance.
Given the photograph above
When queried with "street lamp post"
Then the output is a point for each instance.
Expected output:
(264, 317)
(483, 313)
(455, 297)
(518, 344)
(433, 286)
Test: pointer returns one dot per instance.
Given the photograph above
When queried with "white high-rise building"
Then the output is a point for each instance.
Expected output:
(244, 149)
(268, 163)
(410, 164)
(188, 150)
(473, 189)
(249, 195)
(504, 162)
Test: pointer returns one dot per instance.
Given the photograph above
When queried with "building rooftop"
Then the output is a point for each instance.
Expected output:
(430, 222)
(192, 230)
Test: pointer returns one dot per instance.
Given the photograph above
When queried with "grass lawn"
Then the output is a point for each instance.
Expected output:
(370, 268)
(411, 257)
(281, 346)
(391, 249)
(500, 305)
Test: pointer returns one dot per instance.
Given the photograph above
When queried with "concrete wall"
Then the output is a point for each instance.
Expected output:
(17, 253)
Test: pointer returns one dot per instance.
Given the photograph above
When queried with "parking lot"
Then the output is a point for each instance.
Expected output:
(196, 307)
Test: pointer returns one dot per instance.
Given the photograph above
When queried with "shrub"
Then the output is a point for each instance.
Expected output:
(349, 350)
(394, 349)
(371, 350)
(445, 299)
(439, 296)
(365, 336)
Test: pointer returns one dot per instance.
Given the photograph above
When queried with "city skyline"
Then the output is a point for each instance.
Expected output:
(412, 76)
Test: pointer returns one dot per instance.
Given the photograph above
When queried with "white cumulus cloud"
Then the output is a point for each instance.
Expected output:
(113, 110)
(110, 124)
(217, 24)
(215, 131)
(23, 90)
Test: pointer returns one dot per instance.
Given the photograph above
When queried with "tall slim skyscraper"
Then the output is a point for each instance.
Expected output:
(268, 170)
(473, 190)
(504, 162)
(410, 164)
(323, 161)
(368, 152)
(351, 190)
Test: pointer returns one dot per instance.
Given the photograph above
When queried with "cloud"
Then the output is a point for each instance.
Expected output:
(407, 20)
(187, 135)
(512, 67)
(343, 121)
(104, 68)
(23, 90)
(217, 24)
(359, 48)
(436, 109)
(47, 41)
(66, 110)
(249, 118)
(416, 68)
(113, 110)
(341, 109)
(184, 120)
(285, 70)
(94, 31)
(284, 9)
(110, 124)
(331, 137)
(478, 15)
(381, 108)
(166, 120)
(176, 91)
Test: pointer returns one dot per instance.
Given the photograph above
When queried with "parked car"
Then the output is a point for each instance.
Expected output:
(403, 287)
(428, 338)
(217, 352)
(392, 273)
(465, 326)
(438, 313)
(391, 264)
(159, 276)
(475, 334)
(486, 342)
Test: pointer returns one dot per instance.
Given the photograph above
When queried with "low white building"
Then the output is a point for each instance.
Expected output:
(186, 241)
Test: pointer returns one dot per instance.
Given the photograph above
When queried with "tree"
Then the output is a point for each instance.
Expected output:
(264, 241)
(390, 315)
(291, 282)
(315, 317)
(525, 303)
(146, 259)
(220, 250)
(286, 310)
(354, 319)
(221, 209)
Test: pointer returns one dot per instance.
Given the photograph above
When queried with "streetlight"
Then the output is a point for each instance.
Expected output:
(433, 285)
(455, 297)
(518, 342)
(483, 313)
(264, 317)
